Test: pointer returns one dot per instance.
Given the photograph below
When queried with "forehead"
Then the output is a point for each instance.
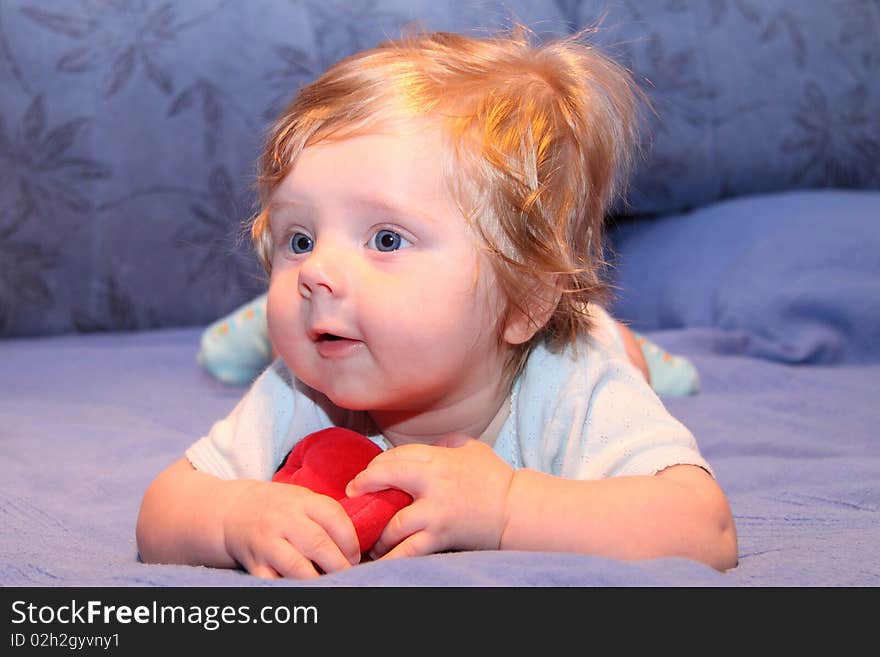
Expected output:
(399, 168)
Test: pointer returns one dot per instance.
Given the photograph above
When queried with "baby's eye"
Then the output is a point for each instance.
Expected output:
(388, 240)
(301, 243)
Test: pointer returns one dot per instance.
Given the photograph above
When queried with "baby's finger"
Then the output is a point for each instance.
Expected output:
(329, 515)
(264, 571)
(316, 547)
(288, 561)
(405, 475)
(409, 452)
(417, 545)
(453, 440)
(404, 523)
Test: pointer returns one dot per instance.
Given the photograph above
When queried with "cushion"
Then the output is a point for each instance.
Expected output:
(797, 274)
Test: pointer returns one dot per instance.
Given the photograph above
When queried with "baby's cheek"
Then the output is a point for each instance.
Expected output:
(279, 328)
(285, 330)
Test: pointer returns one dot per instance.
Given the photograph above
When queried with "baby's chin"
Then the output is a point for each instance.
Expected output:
(354, 394)
(372, 403)
(349, 397)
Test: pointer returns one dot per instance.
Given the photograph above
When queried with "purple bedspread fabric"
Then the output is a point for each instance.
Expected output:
(87, 421)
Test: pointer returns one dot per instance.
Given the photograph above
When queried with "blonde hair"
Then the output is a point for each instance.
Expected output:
(541, 139)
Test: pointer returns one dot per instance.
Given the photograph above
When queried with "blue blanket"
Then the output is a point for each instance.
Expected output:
(88, 421)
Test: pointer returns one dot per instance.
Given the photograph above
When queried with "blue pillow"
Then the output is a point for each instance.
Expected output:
(797, 274)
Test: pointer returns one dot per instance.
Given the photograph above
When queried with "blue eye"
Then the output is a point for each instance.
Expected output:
(388, 240)
(301, 243)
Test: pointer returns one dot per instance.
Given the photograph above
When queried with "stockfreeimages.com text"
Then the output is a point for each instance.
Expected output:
(211, 617)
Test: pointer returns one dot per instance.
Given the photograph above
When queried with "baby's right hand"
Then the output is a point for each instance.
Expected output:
(284, 530)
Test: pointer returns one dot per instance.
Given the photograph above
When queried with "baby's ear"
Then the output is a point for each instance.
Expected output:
(526, 319)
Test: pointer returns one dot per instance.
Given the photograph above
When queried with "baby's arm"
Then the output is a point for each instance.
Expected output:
(270, 529)
(468, 498)
(680, 511)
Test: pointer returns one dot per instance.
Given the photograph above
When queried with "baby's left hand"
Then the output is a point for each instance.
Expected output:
(459, 487)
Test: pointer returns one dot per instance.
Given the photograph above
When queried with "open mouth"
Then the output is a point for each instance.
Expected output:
(331, 345)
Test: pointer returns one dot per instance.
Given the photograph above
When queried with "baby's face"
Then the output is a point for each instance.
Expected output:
(379, 297)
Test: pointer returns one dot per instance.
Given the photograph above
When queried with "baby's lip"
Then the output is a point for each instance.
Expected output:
(329, 334)
(334, 344)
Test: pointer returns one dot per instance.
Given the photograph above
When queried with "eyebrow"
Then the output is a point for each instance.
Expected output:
(372, 205)
(383, 207)
(274, 206)
(281, 213)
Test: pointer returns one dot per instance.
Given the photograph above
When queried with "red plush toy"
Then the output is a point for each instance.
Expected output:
(326, 461)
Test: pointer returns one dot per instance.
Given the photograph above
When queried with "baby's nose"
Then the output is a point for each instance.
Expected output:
(323, 269)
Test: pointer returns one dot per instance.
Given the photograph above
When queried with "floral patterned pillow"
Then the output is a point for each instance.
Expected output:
(129, 130)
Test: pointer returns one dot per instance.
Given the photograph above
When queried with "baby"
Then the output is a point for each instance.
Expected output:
(432, 222)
